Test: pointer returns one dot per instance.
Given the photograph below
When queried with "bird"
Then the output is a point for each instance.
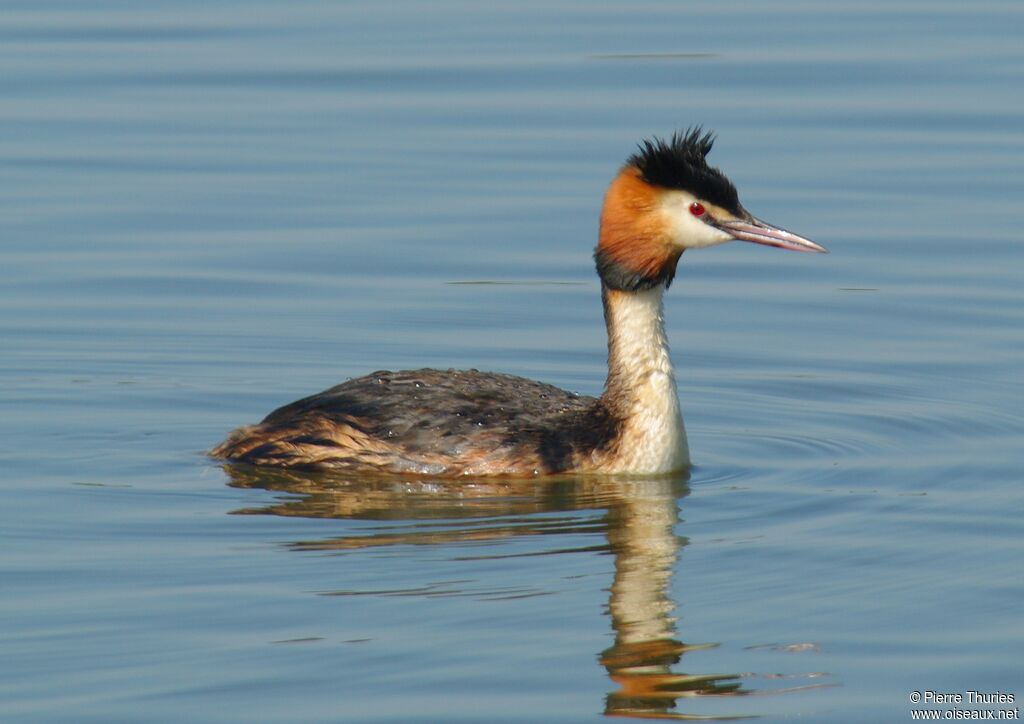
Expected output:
(664, 200)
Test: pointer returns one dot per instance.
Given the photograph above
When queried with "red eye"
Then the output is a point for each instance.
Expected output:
(697, 208)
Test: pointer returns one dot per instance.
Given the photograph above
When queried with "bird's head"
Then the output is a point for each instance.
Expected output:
(667, 199)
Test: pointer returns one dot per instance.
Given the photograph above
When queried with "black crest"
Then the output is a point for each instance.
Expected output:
(681, 163)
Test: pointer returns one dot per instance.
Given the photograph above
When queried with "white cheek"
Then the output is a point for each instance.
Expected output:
(689, 231)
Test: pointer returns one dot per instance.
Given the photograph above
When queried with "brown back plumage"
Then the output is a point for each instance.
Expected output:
(430, 422)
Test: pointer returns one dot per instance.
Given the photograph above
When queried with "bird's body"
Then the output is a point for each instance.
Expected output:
(470, 423)
(433, 422)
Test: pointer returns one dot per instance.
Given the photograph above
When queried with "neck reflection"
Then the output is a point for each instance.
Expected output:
(641, 533)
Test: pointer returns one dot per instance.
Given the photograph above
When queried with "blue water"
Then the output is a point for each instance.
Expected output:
(208, 209)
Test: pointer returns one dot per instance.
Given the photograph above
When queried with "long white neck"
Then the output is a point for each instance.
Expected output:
(641, 386)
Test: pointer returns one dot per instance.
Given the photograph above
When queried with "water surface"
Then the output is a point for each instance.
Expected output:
(211, 209)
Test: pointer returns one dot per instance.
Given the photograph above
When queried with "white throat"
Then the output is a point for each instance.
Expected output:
(641, 384)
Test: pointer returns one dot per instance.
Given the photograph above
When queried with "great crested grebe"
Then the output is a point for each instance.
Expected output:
(665, 199)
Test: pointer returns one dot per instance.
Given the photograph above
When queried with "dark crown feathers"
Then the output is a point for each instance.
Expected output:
(681, 163)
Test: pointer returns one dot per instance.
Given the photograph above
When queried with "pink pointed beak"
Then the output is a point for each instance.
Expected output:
(759, 232)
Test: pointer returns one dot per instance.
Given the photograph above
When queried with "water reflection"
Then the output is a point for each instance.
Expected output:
(641, 534)
(637, 528)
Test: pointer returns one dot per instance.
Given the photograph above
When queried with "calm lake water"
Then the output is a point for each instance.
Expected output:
(208, 209)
